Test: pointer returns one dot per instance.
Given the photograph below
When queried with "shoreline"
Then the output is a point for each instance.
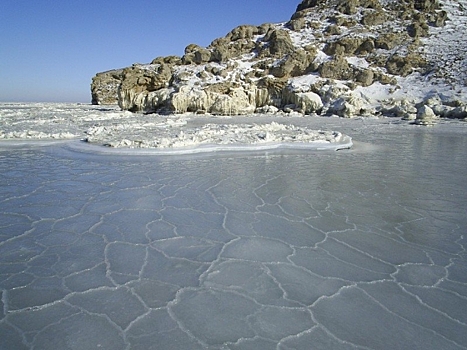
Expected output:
(100, 126)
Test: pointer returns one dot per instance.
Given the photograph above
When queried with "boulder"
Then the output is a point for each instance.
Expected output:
(418, 29)
(388, 41)
(297, 24)
(296, 63)
(333, 29)
(425, 116)
(202, 56)
(305, 102)
(169, 60)
(404, 65)
(347, 7)
(330, 91)
(278, 43)
(338, 68)
(406, 110)
(350, 46)
(373, 18)
(243, 32)
(196, 54)
(146, 77)
(306, 4)
(365, 77)
(425, 5)
(349, 106)
(459, 112)
(350, 7)
(267, 110)
(443, 111)
(440, 18)
(237, 42)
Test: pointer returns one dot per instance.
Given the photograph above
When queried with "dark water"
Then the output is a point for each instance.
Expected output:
(360, 249)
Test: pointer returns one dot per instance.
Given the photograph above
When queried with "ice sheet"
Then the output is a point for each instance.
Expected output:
(356, 249)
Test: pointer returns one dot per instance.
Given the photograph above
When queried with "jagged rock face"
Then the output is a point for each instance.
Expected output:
(142, 79)
(356, 42)
(296, 63)
(305, 4)
(104, 87)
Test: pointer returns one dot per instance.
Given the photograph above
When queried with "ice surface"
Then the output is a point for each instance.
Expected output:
(182, 134)
(284, 249)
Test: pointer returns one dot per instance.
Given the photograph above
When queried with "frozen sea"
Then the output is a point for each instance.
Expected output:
(355, 249)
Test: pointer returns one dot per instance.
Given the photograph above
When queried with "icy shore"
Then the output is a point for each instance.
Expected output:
(108, 126)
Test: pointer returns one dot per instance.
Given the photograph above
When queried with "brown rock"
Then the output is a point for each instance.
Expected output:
(366, 47)
(400, 65)
(440, 18)
(104, 87)
(170, 60)
(149, 78)
(295, 64)
(243, 32)
(189, 56)
(426, 5)
(220, 53)
(365, 77)
(202, 56)
(343, 46)
(373, 18)
(279, 43)
(348, 7)
(306, 4)
(296, 24)
(333, 29)
(418, 29)
(388, 41)
(338, 68)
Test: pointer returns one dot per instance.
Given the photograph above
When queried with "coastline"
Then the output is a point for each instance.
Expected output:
(188, 133)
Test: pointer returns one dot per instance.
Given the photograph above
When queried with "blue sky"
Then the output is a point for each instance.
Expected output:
(50, 50)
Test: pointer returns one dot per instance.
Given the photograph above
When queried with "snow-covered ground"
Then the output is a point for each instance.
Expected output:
(446, 48)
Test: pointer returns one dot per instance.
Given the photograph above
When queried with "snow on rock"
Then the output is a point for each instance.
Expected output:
(425, 116)
(306, 102)
(355, 56)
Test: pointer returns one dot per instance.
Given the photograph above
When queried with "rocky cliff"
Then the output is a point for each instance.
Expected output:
(330, 57)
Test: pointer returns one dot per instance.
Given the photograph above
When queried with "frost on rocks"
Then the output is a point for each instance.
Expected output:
(381, 51)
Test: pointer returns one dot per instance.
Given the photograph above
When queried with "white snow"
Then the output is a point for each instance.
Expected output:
(358, 62)
(446, 47)
(106, 125)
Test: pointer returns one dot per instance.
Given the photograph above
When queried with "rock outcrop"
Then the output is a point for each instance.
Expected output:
(104, 87)
(317, 62)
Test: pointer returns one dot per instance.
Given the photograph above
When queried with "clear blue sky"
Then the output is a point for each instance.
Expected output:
(51, 49)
